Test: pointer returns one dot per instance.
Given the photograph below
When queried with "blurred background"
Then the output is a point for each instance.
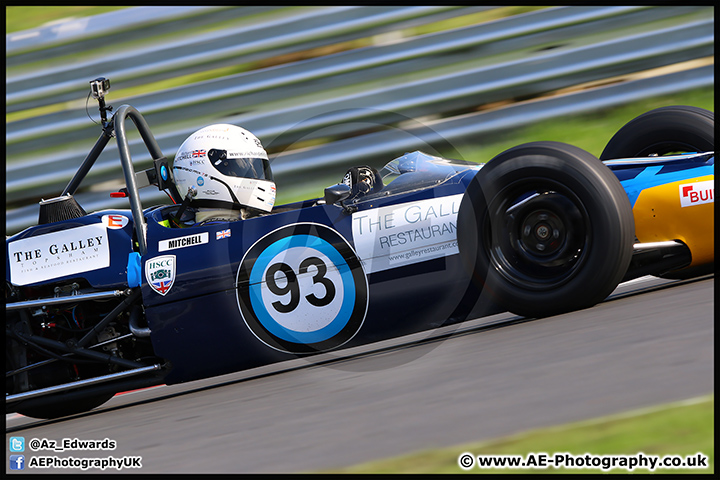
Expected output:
(326, 88)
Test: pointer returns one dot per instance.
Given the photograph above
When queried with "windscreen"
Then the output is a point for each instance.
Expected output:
(417, 169)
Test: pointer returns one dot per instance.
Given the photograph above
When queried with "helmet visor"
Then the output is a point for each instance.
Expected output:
(258, 168)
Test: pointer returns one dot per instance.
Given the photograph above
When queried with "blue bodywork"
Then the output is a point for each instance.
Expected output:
(638, 174)
(198, 324)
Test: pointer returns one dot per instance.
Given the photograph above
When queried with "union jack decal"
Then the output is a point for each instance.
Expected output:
(198, 153)
(162, 286)
(222, 234)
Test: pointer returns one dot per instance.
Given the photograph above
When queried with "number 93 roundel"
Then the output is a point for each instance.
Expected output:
(302, 289)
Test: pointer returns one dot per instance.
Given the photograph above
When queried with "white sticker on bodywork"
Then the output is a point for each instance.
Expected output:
(57, 254)
(697, 193)
(398, 235)
(182, 242)
(114, 222)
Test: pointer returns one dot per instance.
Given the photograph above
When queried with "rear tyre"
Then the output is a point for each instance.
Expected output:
(666, 130)
(548, 228)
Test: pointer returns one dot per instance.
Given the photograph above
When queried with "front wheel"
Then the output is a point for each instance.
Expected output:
(548, 228)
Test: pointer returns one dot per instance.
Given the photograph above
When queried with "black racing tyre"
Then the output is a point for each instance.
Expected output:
(548, 228)
(663, 131)
(63, 408)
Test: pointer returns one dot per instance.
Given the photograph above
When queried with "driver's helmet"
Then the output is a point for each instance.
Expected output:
(227, 167)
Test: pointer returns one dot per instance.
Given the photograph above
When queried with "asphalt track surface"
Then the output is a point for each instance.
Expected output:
(650, 343)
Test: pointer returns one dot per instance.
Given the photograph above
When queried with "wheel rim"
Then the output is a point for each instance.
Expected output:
(537, 234)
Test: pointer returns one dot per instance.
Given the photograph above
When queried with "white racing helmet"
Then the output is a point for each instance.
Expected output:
(227, 167)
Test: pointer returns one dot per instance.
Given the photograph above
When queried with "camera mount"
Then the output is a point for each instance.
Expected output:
(98, 89)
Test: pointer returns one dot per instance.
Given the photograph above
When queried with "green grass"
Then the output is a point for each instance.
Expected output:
(685, 428)
(24, 18)
(470, 19)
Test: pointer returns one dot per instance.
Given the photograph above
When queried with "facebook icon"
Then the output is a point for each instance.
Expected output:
(17, 462)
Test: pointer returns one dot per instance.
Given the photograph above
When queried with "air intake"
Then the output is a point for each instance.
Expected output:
(58, 209)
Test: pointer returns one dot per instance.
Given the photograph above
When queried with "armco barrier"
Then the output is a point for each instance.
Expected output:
(351, 99)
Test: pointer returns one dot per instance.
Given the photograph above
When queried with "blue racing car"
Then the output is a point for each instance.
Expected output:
(224, 280)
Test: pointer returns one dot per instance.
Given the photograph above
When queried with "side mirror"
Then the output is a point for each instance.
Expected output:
(337, 193)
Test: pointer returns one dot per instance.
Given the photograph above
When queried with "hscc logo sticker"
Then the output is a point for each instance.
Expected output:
(160, 273)
(697, 193)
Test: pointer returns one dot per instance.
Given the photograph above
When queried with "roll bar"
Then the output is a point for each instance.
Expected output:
(117, 125)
